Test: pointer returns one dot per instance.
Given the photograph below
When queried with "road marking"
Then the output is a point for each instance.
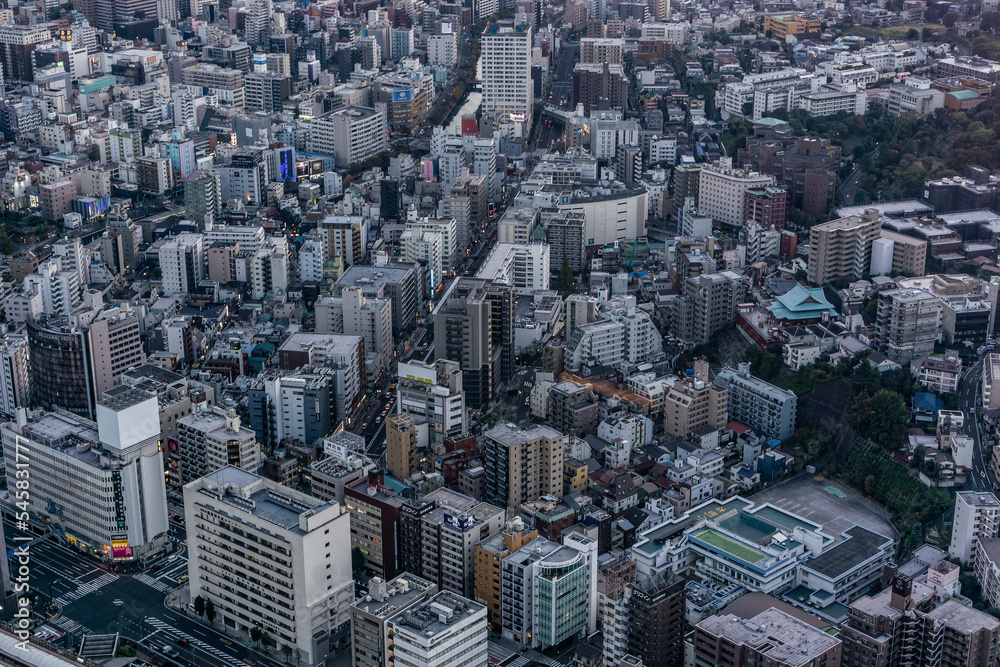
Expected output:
(207, 648)
(86, 589)
(154, 583)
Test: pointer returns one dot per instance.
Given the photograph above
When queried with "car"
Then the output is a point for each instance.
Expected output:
(183, 642)
(183, 580)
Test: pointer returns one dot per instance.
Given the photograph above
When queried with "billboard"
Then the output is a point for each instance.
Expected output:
(402, 95)
(462, 523)
(120, 550)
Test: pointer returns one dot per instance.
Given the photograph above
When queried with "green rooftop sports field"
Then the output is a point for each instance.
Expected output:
(731, 547)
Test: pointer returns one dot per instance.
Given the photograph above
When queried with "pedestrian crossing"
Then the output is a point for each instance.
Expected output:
(521, 661)
(154, 583)
(69, 625)
(225, 658)
(86, 589)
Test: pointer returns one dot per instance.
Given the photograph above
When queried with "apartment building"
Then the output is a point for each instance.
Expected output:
(990, 388)
(939, 372)
(522, 464)
(374, 509)
(438, 534)
(15, 380)
(356, 314)
(524, 266)
(352, 135)
(572, 409)
(908, 324)
(706, 305)
(770, 637)
(722, 189)
(694, 403)
(72, 456)
(977, 515)
(760, 405)
(182, 263)
(489, 555)
(841, 249)
(298, 584)
(622, 334)
(782, 26)
(395, 282)
(225, 84)
(209, 441)
(506, 74)
(370, 641)
(909, 254)
(602, 50)
(401, 446)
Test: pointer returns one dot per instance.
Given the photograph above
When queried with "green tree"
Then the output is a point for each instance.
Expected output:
(566, 279)
(870, 484)
(950, 19)
(255, 634)
(199, 606)
(357, 560)
(912, 34)
(6, 245)
(990, 22)
(881, 416)
(210, 611)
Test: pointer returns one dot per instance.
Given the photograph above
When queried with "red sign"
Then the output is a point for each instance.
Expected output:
(122, 553)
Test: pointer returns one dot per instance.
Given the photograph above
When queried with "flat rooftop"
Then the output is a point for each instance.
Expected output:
(858, 546)
(509, 435)
(436, 616)
(401, 592)
(782, 638)
(254, 495)
(363, 275)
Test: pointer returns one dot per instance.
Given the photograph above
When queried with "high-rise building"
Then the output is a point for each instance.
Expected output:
(299, 407)
(442, 50)
(345, 237)
(842, 248)
(370, 615)
(203, 198)
(489, 555)
(976, 515)
(707, 304)
(445, 630)
(656, 620)
(506, 66)
(905, 625)
(374, 510)
(155, 175)
(522, 465)
(16, 44)
(908, 324)
(226, 84)
(353, 134)
(768, 409)
(432, 395)
(115, 343)
(398, 283)
(401, 446)
(722, 190)
(209, 441)
(245, 178)
(438, 534)
(602, 50)
(694, 403)
(303, 548)
(356, 314)
(182, 263)
(15, 380)
(72, 456)
(600, 86)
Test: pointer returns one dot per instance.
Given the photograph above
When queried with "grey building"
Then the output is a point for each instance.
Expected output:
(908, 324)
(370, 615)
(203, 197)
(706, 305)
(396, 282)
(565, 238)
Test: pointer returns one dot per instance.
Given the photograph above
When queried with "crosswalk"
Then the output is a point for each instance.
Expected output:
(521, 661)
(69, 625)
(154, 583)
(225, 658)
(86, 589)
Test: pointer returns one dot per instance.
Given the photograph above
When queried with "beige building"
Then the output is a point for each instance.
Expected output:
(489, 565)
(115, 345)
(909, 255)
(401, 446)
(601, 50)
(522, 465)
(694, 403)
(209, 441)
(353, 134)
(370, 615)
(721, 190)
(842, 249)
(222, 262)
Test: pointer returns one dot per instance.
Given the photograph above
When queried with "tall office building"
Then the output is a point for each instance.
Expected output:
(245, 178)
(203, 198)
(370, 616)
(72, 456)
(656, 620)
(506, 66)
(357, 314)
(182, 263)
(489, 555)
(15, 379)
(907, 324)
(401, 446)
(299, 407)
(438, 534)
(522, 465)
(16, 44)
(842, 249)
(353, 134)
(692, 404)
(375, 510)
(115, 344)
(209, 441)
(721, 190)
(299, 585)
(463, 331)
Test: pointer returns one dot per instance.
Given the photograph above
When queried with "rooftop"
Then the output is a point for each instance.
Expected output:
(400, 593)
(783, 639)
(859, 546)
(437, 616)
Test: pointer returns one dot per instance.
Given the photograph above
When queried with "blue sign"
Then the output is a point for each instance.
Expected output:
(402, 95)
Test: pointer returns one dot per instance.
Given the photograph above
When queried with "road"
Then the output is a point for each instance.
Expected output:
(93, 600)
(850, 186)
(968, 395)
(561, 90)
(552, 130)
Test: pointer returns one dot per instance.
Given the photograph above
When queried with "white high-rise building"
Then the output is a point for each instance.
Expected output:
(442, 50)
(182, 263)
(269, 267)
(976, 515)
(358, 315)
(15, 381)
(59, 289)
(506, 67)
(882, 250)
(298, 585)
(101, 482)
(448, 228)
(721, 190)
(424, 246)
(209, 441)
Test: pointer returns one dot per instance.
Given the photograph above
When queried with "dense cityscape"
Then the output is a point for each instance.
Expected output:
(520, 333)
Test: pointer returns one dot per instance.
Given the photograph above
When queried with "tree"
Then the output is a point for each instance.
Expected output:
(199, 606)
(287, 650)
(255, 634)
(990, 22)
(357, 561)
(210, 611)
(912, 34)
(950, 19)
(566, 279)
(6, 245)
(870, 484)
(881, 416)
